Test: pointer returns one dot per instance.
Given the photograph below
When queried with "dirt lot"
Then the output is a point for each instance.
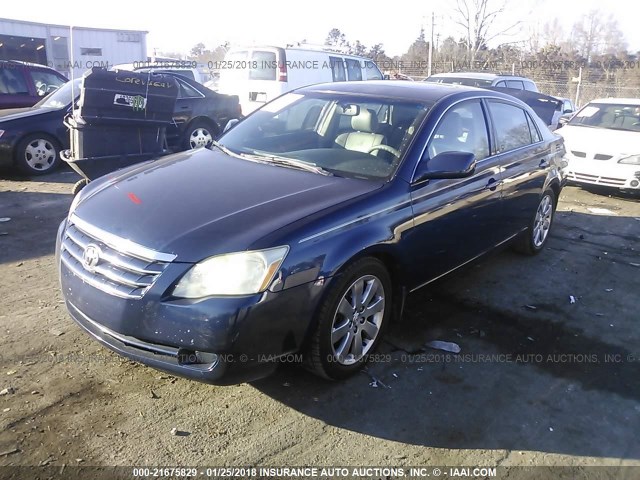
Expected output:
(540, 380)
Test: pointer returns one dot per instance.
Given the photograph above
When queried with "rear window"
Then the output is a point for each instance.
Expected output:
(515, 84)
(468, 82)
(373, 73)
(263, 66)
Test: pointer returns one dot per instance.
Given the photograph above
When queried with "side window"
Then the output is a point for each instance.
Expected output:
(187, 91)
(501, 84)
(529, 86)
(265, 66)
(462, 129)
(373, 73)
(512, 126)
(337, 69)
(354, 71)
(12, 81)
(45, 82)
(515, 84)
(535, 134)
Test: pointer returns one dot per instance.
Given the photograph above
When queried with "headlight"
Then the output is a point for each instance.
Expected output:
(75, 202)
(630, 160)
(242, 273)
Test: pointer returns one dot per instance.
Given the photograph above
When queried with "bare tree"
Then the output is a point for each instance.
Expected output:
(478, 22)
(596, 34)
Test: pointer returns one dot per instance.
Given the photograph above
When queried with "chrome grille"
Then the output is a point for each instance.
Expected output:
(119, 267)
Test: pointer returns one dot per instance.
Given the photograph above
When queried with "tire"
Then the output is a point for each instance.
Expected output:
(198, 134)
(79, 185)
(37, 154)
(534, 239)
(333, 351)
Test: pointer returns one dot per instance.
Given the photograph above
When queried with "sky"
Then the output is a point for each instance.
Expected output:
(178, 26)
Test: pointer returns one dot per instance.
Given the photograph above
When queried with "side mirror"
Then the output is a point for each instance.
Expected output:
(567, 110)
(230, 124)
(446, 165)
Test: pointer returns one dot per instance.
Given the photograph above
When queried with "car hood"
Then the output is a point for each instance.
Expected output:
(600, 140)
(20, 113)
(201, 203)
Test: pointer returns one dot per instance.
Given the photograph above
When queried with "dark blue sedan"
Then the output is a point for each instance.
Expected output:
(305, 227)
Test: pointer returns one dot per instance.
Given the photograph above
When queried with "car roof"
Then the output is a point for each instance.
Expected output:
(403, 90)
(478, 75)
(26, 64)
(617, 101)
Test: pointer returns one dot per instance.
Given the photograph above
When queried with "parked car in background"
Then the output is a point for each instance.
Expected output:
(603, 143)
(31, 138)
(197, 72)
(484, 80)
(200, 114)
(304, 228)
(546, 107)
(259, 74)
(567, 105)
(25, 84)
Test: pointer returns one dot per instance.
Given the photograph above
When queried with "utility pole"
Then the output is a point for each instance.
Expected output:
(431, 44)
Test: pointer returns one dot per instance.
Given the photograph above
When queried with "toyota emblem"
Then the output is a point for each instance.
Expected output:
(91, 257)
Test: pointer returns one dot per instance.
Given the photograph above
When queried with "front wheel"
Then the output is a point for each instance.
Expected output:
(350, 320)
(37, 154)
(535, 237)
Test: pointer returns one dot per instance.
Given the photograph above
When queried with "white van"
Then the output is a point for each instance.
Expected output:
(260, 74)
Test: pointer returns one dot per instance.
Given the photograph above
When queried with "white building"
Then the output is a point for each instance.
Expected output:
(67, 48)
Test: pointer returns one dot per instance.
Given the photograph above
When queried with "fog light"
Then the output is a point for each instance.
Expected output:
(634, 183)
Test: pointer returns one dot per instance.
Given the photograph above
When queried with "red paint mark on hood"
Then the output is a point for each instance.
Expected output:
(134, 198)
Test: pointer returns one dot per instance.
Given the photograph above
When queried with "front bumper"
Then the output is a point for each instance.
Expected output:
(219, 340)
(603, 173)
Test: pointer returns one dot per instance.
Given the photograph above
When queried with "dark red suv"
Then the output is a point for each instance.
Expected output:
(24, 84)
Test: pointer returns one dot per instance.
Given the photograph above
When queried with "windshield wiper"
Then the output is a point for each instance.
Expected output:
(223, 148)
(290, 162)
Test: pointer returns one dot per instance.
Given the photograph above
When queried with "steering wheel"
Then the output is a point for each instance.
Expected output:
(386, 148)
(42, 89)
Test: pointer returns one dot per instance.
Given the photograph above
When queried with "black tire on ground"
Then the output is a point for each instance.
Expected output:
(79, 185)
(534, 239)
(198, 134)
(37, 154)
(331, 351)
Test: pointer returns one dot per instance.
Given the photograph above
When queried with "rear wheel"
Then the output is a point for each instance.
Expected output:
(197, 135)
(37, 154)
(351, 319)
(535, 237)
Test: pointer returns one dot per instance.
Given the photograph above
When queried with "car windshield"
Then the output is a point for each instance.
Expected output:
(609, 115)
(62, 96)
(338, 134)
(467, 82)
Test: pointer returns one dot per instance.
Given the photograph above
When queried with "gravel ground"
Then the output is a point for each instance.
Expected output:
(539, 381)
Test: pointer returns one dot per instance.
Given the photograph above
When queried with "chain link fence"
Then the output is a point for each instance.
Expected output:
(579, 83)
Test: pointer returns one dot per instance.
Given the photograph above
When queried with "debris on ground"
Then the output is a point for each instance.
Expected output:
(153, 395)
(12, 372)
(55, 332)
(445, 346)
(531, 307)
(530, 339)
(174, 431)
(572, 299)
(7, 391)
(601, 211)
(608, 289)
(9, 452)
(375, 382)
(5, 219)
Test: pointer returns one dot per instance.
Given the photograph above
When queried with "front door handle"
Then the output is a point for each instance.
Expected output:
(492, 184)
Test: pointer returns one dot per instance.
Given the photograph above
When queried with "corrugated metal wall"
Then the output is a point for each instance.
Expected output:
(91, 47)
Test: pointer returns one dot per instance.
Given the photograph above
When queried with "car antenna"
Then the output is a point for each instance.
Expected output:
(73, 96)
